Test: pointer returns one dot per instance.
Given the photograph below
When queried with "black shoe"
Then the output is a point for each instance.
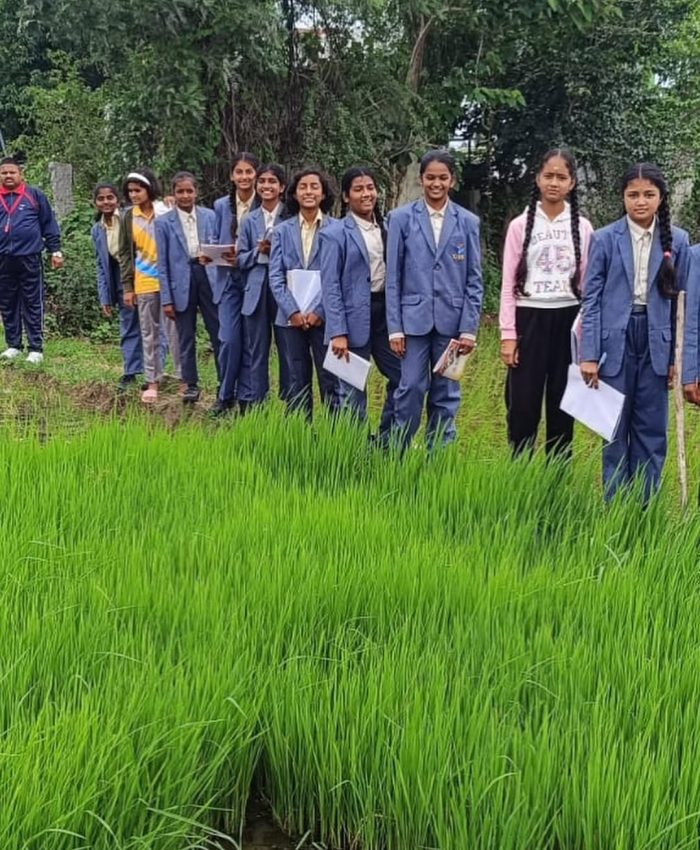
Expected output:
(125, 382)
(191, 395)
(221, 408)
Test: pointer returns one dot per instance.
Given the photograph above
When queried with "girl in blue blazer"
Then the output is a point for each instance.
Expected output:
(433, 294)
(636, 267)
(231, 211)
(353, 280)
(295, 245)
(259, 306)
(105, 239)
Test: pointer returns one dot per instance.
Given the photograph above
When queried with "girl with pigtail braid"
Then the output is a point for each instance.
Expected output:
(637, 266)
(543, 263)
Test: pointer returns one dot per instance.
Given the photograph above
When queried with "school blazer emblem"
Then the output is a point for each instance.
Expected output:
(458, 253)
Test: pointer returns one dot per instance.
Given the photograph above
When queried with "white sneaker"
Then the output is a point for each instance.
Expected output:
(35, 357)
(10, 353)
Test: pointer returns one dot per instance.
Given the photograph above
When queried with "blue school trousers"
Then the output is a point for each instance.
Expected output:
(200, 299)
(639, 447)
(417, 379)
(230, 337)
(354, 400)
(254, 380)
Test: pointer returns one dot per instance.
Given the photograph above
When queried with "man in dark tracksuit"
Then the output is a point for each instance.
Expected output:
(27, 226)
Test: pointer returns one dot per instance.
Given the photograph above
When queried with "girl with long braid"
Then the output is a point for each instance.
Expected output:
(637, 266)
(544, 262)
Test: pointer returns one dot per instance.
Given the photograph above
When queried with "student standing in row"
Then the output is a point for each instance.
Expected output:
(138, 260)
(231, 211)
(637, 266)
(27, 227)
(544, 263)
(295, 245)
(433, 294)
(185, 282)
(353, 278)
(105, 239)
(259, 306)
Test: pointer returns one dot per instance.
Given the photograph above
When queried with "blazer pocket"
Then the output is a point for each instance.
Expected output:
(410, 300)
(458, 302)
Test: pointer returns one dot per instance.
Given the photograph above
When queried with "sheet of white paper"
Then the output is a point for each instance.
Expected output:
(305, 286)
(214, 253)
(353, 371)
(599, 410)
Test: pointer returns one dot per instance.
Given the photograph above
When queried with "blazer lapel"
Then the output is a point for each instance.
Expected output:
(624, 244)
(176, 224)
(315, 243)
(354, 229)
(426, 226)
(202, 235)
(448, 225)
(655, 256)
(296, 239)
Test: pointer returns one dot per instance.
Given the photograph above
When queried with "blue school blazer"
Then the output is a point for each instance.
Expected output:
(108, 277)
(691, 343)
(174, 269)
(346, 282)
(608, 295)
(287, 254)
(431, 287)
(226, 227)
(255, 273)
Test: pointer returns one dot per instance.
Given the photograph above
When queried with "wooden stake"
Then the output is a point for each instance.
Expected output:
(680, 405)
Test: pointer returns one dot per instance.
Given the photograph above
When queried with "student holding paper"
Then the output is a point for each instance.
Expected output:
(433, 294)
(636, 267)
(295, 265)
(544, 262)
(231, 211)
(353, 277)
(259, 306)
(185, 283)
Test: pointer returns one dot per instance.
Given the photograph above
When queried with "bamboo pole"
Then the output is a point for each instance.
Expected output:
(680, 406)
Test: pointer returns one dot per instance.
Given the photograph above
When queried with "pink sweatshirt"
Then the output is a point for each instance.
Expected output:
(550, 264)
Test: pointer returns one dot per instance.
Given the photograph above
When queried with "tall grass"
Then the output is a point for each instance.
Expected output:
(448, 651)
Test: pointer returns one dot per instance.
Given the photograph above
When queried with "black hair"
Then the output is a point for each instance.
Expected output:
(440, 155)
(153, 190)
(10, 160)
(652, 173)
(180, 176)
(346, 182)
(329, 197)
(521, 268)
(272, 168)
(241, 156)
(105, 184)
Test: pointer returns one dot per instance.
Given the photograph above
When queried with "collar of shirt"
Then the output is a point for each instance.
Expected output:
(315, 223)
(270, 215)
(638, 232)
(115, 219)
(18, 190)
(564, 215)
(363, 224)
(243, 207)
(438, 213)
(138, 212)
(190, 216)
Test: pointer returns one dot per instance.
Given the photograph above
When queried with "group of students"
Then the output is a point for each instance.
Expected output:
(400, 290)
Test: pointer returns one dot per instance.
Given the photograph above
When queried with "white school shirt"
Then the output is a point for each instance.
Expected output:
(270, 217)
(372, 235)
(437, 219)
(641, 250)
(188, 220)
(550, 262)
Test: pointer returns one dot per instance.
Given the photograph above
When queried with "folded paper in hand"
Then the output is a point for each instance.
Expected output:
(451, 363)
(215, 253)
(353, 371)
(599, 409)
(305, 286)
